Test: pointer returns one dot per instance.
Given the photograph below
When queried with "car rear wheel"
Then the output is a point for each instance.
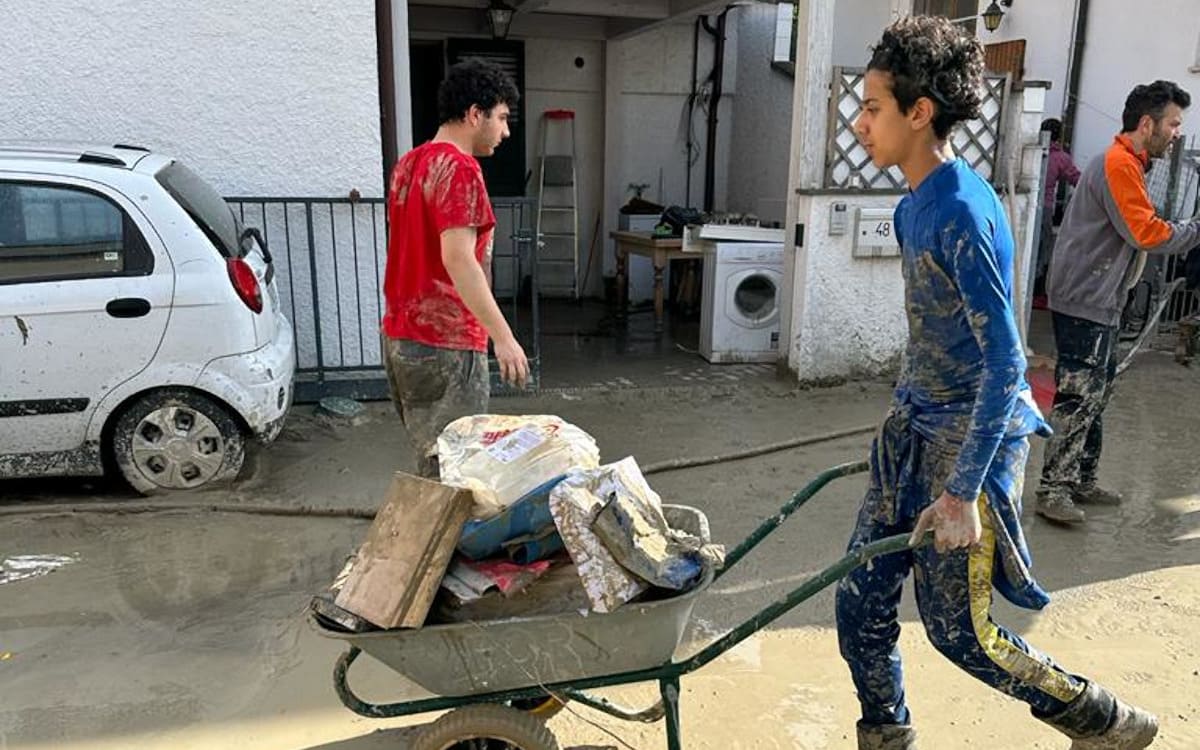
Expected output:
(175, 439)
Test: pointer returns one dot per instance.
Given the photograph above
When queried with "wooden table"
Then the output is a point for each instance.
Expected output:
(660, 251)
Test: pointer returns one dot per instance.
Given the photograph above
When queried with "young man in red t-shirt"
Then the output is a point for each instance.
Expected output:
(440, 309)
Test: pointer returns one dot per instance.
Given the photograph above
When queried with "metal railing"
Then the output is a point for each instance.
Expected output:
(1173, 184)
(330, 257)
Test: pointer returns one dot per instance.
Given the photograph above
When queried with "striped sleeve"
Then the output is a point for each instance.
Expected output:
(1133, 215)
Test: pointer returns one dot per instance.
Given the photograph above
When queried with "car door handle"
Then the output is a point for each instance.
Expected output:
(128, 307)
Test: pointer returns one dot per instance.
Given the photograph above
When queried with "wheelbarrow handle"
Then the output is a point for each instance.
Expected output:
(832, 574)
(791, 506)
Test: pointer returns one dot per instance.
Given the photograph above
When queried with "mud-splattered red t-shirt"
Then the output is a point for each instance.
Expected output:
(434, 187)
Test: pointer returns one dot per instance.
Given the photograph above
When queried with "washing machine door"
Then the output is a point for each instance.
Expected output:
(752, 297)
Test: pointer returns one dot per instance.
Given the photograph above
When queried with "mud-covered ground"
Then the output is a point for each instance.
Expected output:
(185, 630)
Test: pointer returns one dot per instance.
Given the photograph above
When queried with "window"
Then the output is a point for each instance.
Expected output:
(959, 10)
(205, 205)
(58, 232)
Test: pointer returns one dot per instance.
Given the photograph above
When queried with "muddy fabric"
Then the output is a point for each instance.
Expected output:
(1087, 364)
(962, 389)
(959, 423)
(964, 372)
(431, 388)
(954, 589)
(434, 187)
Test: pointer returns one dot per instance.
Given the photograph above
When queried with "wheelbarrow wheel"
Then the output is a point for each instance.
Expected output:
(486, 726)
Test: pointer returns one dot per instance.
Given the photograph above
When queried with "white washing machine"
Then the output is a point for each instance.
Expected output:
(739, 312)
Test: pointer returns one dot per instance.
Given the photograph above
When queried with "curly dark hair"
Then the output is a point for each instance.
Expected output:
(1053, 126)
(1152, 99)
(928, 56)
(474, 82)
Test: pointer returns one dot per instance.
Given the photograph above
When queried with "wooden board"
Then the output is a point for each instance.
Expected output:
(407, 551)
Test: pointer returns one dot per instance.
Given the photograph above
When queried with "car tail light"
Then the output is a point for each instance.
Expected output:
(245, 283)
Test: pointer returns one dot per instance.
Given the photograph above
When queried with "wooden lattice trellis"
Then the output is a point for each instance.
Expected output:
(847, 164)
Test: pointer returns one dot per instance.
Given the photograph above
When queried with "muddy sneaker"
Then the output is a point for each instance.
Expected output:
(1094, 494)
(886, 737)
(1056, 505)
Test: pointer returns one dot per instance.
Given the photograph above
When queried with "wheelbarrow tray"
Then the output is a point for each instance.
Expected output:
(471, 658)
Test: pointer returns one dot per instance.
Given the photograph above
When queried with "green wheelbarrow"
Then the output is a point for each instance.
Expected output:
(501, 679)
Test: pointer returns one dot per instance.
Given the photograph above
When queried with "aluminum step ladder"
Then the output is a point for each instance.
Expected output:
(557, 217)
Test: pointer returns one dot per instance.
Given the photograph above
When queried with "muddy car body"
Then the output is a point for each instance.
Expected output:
(140, 325)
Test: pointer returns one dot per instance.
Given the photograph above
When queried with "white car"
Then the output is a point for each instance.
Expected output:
(140, 325)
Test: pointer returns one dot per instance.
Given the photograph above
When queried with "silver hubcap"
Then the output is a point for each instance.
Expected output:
(178, 447)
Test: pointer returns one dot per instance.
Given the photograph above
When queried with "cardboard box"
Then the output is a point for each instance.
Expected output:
(407, 552)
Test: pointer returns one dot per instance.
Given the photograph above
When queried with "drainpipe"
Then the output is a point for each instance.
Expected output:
(718, 74)
(1073, 74)
(687, 202)
(387, 85)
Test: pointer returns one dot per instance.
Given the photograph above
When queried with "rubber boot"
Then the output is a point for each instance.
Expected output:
(1057, 505)
(1098, 720)
(886, 737)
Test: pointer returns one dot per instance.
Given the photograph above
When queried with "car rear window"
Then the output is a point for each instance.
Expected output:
(204, 204)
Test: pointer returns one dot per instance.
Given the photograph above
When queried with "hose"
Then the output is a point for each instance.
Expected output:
(688, 463)
(167, 506)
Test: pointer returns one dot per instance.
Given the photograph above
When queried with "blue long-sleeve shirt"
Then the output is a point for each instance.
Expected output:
(964, 371)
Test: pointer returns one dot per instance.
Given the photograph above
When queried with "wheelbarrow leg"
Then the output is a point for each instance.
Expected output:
(347, 696)
(669, 687)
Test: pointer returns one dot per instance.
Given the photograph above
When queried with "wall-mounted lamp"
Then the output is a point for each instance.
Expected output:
(500, 18)
(993, 14)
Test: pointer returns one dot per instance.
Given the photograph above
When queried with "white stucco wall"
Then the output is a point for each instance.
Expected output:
(1124, 48)
(857, 24)
(552, 81)
(762, 118)
(281, 99)
(1048, 28)
(648, 80)
(758, 170)
(849, 320)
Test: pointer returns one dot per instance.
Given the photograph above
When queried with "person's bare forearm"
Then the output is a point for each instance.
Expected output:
(458, 256)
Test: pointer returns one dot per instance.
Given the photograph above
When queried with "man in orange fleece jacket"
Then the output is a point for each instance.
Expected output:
(1109, 228)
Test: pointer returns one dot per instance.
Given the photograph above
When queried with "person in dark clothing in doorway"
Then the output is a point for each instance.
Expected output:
(950, 456)
(1109, 228)
(440, 309)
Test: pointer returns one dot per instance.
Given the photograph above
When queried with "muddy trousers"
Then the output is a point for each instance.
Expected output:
(1087, 364)
(954, 596)
(431, 388)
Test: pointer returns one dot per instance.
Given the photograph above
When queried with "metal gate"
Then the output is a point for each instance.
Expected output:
(1173, 183)
(330, 255)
